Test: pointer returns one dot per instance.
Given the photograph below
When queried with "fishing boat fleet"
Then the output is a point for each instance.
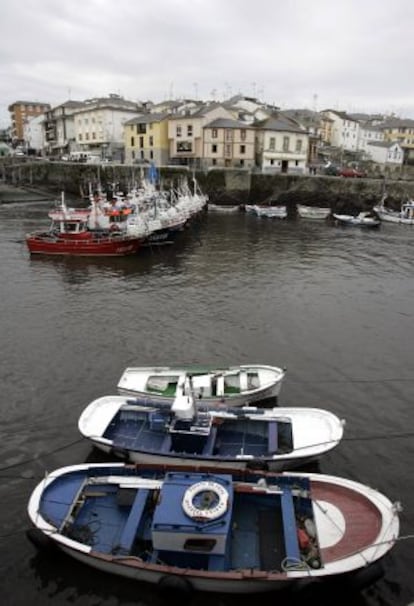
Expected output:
(205, 488)
(121, 225)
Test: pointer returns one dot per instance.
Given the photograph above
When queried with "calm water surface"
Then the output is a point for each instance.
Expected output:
(335, 306)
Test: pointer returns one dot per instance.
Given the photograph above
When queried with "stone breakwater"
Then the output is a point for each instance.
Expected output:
(223, 186)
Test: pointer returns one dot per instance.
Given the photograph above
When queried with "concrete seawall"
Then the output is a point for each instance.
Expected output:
(225, 186)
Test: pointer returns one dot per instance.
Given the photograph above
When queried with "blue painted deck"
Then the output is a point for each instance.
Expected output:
(137, 431)
(261, 530)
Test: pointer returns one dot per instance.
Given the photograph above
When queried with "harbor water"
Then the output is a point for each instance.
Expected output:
(335, 306)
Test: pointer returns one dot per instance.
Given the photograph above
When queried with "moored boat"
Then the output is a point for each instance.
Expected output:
(211, 386)
(72, 237)
(363, 219)
(313, 212)
(184, 433)
(404, 216)
(223, 208)
(271, 212)
(217, 532)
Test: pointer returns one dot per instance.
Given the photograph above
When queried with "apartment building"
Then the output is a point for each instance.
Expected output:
(146, 139)
(59, 128)
(99, 125)
(228, 143)
(20, 111)
(185, 133)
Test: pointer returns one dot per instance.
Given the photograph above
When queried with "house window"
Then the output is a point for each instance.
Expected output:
(243, 134)
(272, 162)
(229, 135)
(93, 136)
(151, 154)
(285, 144)
(142, 154)
(228, 150)
(141, 141)
(151, 141)
(132, 141)
(141, 128)
(133, 155)
(214, 162)
(241, 162)
(80, 136)
(189, 130)
(214, 148)
(214, 133)
(242, 149)
(87, 136)
(298, 145)
(184, 146)
(272, 144)
(178, 131)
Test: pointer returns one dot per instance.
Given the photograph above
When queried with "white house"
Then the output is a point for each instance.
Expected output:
(33, 133)
(99, 125)
(281, 145)
(386, 152)
(369, 134)
(344, 131)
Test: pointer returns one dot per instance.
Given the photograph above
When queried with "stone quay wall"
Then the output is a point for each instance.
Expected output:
(223, 186)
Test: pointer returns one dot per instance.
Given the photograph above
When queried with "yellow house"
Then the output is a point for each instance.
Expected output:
(401, 131)
(146, 139)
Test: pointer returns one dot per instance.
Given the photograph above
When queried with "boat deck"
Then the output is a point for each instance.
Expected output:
(362, 519)
(136, 431)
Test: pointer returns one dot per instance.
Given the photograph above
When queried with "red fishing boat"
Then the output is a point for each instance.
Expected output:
(71, 236)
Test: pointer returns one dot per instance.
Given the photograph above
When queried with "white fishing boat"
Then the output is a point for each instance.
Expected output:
(211, 386)
(184, 433)
(271, 212)
(313, 212)
(223, 208)
(367, 219)
(219, 532)
(404, 216)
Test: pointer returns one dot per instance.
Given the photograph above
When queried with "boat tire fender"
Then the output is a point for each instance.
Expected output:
(175, 587)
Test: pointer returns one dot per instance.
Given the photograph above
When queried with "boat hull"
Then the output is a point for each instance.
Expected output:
(82, 247)
(393, 217)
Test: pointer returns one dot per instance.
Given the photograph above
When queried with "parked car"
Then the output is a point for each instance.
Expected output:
(332, 170)
(350, 171)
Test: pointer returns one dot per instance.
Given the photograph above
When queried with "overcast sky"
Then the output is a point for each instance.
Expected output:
(351, 55)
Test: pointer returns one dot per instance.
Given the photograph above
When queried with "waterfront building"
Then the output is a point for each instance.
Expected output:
(228, 143)
(99, 125)
(20, 111)
(281, 145)
(344, 131)
(401, 130)
(368, 133)
(33, 134)
(185, 133)
(146, 139)
(312, 122)
(59, 128)
(386, 153)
